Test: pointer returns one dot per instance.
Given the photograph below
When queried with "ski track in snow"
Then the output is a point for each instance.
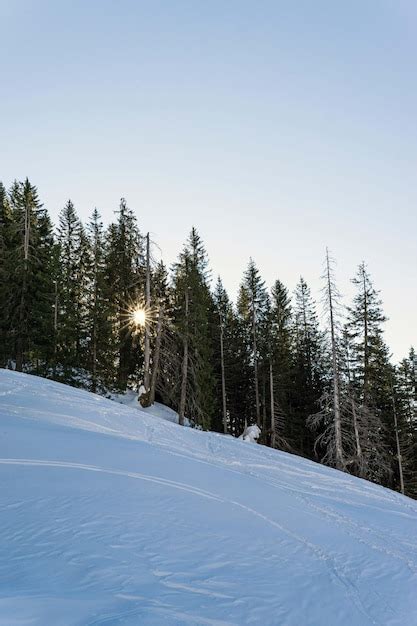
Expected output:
(112, 515)
(317, 552)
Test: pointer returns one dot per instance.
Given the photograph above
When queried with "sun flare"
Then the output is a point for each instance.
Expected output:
(139, 317)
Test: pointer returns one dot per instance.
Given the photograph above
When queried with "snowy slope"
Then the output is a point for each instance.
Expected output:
(112, 516)
(130, 398)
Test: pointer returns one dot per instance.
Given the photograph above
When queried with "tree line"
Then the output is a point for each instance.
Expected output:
(70, 298)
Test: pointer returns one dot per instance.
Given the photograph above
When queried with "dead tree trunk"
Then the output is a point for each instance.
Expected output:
(356, 431)
(397, 440)
(147, 351)
(156, 355)
(255, 366)
(365, 397)
(271, 384)
(184, 373)
(358, 446)
(335, 368)
(20, 340)
(223, 376)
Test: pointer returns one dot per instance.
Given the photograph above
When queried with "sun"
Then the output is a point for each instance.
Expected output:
(138, 317)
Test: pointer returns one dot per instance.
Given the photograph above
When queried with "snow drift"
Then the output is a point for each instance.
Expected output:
(110, 515)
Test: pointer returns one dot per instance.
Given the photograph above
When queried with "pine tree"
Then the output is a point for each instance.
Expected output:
(407, 382)
(223, 318)
(253, 309)
(238, 371)
(29, 301)
(125, 289)
(97, 306)
(191, 317)
(161, 315)
(349, 433)
(308, 369)
(72, 293)
(405, 406)
(365, 327)
(281, 356)
(5, 287)
(372, 375)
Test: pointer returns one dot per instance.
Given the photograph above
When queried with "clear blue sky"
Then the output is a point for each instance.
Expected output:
(276, 128)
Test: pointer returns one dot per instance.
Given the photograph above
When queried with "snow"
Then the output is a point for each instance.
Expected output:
(131, 398)
(110, 515)
(251, 434)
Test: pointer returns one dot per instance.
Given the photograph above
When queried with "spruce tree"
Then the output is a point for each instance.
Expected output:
(221, 333)
(160, 315)
(372, 379)
(281, 357)
(125, 290)
(191, 317)
(365, 327)
(5, 287)
(406, 409)
(98, 323)
(253, 309)
(29, 302)
(72, 293)
(309, 368)
(238, 370)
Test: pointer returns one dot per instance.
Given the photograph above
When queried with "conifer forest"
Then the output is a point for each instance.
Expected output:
(88, 305)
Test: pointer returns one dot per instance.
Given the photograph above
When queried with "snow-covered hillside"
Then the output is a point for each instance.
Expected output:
(112, 516)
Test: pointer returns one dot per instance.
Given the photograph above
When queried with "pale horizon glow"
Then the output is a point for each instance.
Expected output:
(275, 128)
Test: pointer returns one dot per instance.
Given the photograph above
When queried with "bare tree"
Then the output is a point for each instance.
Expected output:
(271, 386)
(184, 366)
(147, 349)
(355, 422)
(374, 463)
(156, 355)
(397, 441)
(224, 402)
(331, 301)
(331, 294)
(27, 207)
(255, 364)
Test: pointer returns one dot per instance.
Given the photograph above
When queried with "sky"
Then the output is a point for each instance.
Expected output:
(276, 128)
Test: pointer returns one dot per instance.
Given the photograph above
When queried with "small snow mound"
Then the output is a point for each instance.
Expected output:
(251, 434)
(131, 399)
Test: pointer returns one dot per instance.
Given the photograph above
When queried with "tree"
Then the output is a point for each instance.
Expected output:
(29, 298)
(405, 406)
(74, 253)
(161, 298)
(234, 379)
(192, 306)
(124, 287)
(281, 356)
(97, 313)
(223, 311)
(371, 379)
(253, 308)
(333, 437)
(309, 369)
(5, 287)
(365, 327)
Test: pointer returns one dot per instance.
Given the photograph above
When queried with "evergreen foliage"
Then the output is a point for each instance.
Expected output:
(192, 308)
(28, 283)
(66, 312)
(309, 369)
